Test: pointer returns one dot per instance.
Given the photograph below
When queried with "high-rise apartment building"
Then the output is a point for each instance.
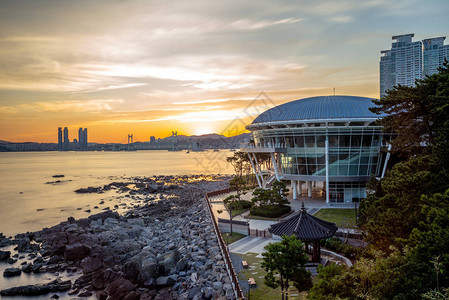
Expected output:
(408, 61)
(82, 139)
(85, 139)
(434, 53)
(66, 144)
(60, 145)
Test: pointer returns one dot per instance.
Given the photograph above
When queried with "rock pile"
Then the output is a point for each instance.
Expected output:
(162, 250)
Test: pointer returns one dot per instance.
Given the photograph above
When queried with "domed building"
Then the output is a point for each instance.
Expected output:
(332, 139)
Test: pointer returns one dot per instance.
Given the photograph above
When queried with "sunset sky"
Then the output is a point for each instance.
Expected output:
(150, 67)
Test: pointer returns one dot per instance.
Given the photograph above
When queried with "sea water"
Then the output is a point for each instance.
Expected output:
(29, 203)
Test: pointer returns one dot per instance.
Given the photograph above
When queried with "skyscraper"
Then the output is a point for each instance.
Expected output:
(408, 61)
(66, 144)
(434, 53)
(85, 138)
(60, 145)
(80, 138)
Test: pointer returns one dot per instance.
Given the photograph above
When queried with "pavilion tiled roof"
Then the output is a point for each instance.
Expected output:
(305, 226)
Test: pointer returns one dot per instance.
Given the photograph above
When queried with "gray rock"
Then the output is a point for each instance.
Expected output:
(11, 272)
(194, 291)
(23, 245)
(27, 268)
(217, 285)
(91, 265)
(168, 261)
(181, 264)
(36, 268)
(76, 251)
(119, 288)
(11, 260)
(164, 281)
(197, 264)
(38, 289)
(148, 269)
(208, 292)
(4, 255)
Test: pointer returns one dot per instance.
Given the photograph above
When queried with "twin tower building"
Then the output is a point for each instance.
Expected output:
(64, 143)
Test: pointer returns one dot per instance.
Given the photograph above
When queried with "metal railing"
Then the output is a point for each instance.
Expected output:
(263, 145)
(260, 233)
(224, 250)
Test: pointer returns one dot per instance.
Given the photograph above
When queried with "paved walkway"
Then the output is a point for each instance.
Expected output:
(312, 206)
(251, 244)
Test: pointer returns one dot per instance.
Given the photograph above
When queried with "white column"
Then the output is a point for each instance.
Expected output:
(309, 188)
(300, 188)
(386, 161)
(273, 160)
(295, 193)
(326, 151)
(255, 170)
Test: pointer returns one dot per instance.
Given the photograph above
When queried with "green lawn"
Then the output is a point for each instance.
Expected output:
(262, 291)
(261, 218)
(344, 218)
(232, 238)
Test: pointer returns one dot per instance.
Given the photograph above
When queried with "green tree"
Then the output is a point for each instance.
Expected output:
(240, 162)
(429, 241)
(418, 115)
(390, 215)
(276, 195)
(329, 284)
(234, 201)
(280, 192)
(406, 214)
(286, 258)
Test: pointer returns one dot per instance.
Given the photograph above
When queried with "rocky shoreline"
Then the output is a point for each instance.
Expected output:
(162, 247)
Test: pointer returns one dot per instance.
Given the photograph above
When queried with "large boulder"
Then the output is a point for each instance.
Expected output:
(38, 289)
(168, 261)
(164, 281)
(148, 269)
(91, 264)
(119, 288)
(23, 244)
(76, 251)
(11, 272)
(101, 279)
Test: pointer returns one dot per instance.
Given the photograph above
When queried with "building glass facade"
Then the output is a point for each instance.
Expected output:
(343, 151)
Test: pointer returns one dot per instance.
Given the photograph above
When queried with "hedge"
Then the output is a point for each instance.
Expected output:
(270, 211)
(242, 204)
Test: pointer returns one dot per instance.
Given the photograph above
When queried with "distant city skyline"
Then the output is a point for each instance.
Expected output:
(150, 68)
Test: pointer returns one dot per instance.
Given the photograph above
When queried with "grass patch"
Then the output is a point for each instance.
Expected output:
(239, 207)
(232, 238)
(261, 218)
(343, 218)
(263, 292)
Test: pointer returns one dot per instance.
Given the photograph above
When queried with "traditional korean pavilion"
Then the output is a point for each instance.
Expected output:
(307, 228)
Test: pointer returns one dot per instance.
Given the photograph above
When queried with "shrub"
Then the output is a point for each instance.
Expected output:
(336, 245)
(270, 211)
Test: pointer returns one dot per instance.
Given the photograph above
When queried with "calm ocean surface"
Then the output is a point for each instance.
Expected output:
(27, 203)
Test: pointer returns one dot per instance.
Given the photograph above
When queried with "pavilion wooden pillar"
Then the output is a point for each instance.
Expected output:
(316, 255)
